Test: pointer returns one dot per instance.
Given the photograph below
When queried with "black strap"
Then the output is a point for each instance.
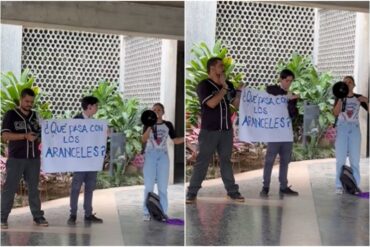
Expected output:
(344, 101)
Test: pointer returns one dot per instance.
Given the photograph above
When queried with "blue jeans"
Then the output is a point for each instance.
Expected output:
(348, 142)
(284, 149)
(156, 169)
(89, 178)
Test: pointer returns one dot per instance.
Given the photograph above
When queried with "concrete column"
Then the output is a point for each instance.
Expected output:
(315, 54)
(168, 91)
(122, 53)
(200, 24)
(11, 49)
(361, 71)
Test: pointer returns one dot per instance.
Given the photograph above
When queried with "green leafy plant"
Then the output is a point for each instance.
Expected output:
(312, 87)
(197, 71)
(11, 89)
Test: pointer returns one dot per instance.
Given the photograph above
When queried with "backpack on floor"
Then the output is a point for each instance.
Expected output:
(348, 181)
(155, 208)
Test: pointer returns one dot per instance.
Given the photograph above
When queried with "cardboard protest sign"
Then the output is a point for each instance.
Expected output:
(264, 117)
(73, 145)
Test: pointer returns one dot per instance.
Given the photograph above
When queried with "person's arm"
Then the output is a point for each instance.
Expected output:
(337, 107)
(178, 140)
(10, 136)
(8, 132)
(292, 108)
(364, 102)
(216, 98)
(172, 134)
(212, 99)
(146, 134)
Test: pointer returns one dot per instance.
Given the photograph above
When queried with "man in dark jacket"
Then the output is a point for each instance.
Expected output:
(216, 130)
(20, 128)
(284, 149)
(90, 107)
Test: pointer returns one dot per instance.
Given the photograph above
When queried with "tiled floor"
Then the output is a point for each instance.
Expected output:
(121, 210)
(316, 217)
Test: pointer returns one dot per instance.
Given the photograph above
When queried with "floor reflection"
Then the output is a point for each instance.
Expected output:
(44, 239)
(233, 224)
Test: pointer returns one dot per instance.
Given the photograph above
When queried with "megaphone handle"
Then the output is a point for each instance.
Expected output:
(154, 127)
(344, 101)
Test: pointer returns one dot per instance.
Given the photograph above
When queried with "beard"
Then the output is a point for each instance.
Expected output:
(26, 108)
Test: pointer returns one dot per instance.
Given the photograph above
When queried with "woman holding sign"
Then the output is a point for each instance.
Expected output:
(156, 164)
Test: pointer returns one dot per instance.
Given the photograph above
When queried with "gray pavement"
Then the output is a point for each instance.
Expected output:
(316, 217)
(121, 210)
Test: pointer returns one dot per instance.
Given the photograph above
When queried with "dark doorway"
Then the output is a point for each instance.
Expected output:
(180, 115)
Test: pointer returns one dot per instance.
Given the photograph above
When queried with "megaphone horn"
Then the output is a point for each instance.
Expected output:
(148, 118)
(340, 90)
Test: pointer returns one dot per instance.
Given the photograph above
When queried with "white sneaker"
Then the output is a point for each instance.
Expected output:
(146, 217)
(339, 191)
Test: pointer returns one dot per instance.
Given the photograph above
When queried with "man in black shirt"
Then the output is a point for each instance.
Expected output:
(216, 130)
(284, 149)
(20, 128)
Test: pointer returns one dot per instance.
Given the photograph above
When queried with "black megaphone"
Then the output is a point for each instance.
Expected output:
(149, 118)
(340, 90)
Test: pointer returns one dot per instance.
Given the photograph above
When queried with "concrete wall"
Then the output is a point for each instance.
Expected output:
(200, 24)
(168, 91)
(361, 72)
(118, 17)
(11, 49)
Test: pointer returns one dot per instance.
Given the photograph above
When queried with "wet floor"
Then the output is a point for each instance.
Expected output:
(317, 217)
(121, 210)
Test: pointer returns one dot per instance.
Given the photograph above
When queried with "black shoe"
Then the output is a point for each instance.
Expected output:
(72, 220)
(4, 223)
(40, 221)
(93, 219)
(288, 191)
(236, 196)
(264, 192)
(191, 198)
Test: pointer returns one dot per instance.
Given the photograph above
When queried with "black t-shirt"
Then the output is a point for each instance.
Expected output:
(363, 104)
(16, 122)
(218, 118)
(292, 104)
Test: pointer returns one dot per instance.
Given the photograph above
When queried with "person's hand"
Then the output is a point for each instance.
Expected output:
(292, 96)
(362, 99)
(241, 87)
(223, 81)
(109, 132)
(31, 136)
